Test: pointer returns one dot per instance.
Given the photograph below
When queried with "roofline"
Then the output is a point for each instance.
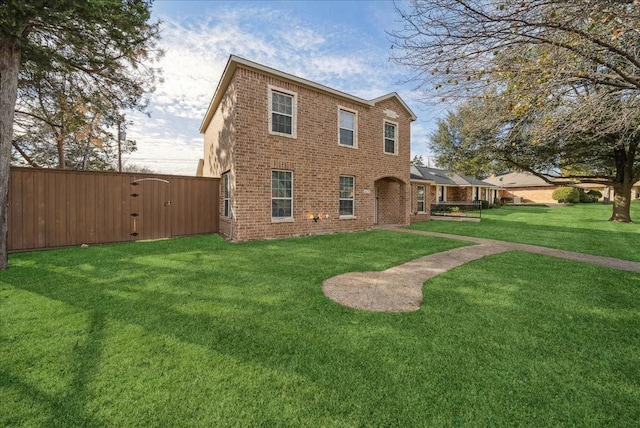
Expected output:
(417, 180)
(234, 61)
(395, 95)
(463, 177)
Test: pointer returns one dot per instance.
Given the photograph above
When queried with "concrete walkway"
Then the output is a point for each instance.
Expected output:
(399, 289)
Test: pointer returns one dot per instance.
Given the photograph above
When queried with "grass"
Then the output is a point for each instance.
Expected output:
(582, 227)
(199, 332)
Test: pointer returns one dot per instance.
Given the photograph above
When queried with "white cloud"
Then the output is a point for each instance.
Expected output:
(301, 38)
(197, 49)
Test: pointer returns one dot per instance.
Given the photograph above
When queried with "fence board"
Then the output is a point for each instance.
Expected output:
(56, 208)
(16, 211)
(39, 192)
(28, 211)
(71, 210)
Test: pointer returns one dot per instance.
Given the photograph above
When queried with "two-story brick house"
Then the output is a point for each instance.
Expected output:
(297, 157)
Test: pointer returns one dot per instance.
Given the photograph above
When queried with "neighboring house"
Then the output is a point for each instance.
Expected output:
(422, 189)
(525, 187)
(447, 186)
(297, 157)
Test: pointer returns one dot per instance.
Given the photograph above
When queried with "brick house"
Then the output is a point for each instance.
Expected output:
(526, 187)
(448, 186)
(298, 158)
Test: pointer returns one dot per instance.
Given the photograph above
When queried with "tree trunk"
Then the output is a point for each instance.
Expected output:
(60, 146)
(622, 202)
(9, 68)
(624, 160)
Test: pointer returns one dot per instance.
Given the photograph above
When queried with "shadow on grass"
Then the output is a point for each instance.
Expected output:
(261, 304)
(67, 409)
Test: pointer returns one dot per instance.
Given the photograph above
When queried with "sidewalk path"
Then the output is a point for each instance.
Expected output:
(399, 289)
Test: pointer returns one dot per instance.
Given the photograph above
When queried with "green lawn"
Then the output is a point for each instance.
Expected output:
(582, 227)
(199, 332)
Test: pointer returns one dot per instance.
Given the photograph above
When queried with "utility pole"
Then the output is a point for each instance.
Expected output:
(121, 137)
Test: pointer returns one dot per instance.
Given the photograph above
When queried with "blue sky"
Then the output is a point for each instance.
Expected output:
(341, 44)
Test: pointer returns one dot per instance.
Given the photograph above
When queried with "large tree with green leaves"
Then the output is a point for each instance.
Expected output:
(102, 44)
(465, 140)
(61, 121)
(560, 77)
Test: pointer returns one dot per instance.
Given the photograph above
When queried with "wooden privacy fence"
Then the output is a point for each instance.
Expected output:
(56, 208)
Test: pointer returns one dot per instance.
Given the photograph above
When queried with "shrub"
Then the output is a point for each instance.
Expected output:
(595, 194)
(485, 204)
(496, 202)
(590, 196)
(566, 194)
(506, 200)
(584, 198)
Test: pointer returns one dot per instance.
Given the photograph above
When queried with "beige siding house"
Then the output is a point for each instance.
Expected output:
(298, 158)
(525, 187)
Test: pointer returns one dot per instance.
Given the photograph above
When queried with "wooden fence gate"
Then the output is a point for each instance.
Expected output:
(150, 208)
(55, 208)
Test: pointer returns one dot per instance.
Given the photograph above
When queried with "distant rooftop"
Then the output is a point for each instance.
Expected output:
(518, 179)
(444, 177)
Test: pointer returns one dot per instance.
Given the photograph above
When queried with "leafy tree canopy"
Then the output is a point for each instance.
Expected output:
(83, 63)
(94, 54)
(417, 160)
(558, 78)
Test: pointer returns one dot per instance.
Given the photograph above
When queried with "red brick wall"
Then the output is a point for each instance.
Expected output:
(540, 194)
(314, 157)
(460, 194)
(391, 204)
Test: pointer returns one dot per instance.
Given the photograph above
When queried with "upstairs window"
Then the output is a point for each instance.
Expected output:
(346, 195)
(282, 112)
(390, 138)
(347, 128)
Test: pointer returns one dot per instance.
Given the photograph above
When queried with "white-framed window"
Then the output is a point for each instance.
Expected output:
(281, 194)
(391, 138)
(420, 199)
(283, 106)
(347, 195)
(347, 127)
(226, 193)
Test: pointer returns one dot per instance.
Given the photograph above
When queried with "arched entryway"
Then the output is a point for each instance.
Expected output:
(390, 201)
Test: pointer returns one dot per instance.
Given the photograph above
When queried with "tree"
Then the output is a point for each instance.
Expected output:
(133, 167)
(565, 74)
(102, 44)
(417, 160)
(464, 141)
(62, 122)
